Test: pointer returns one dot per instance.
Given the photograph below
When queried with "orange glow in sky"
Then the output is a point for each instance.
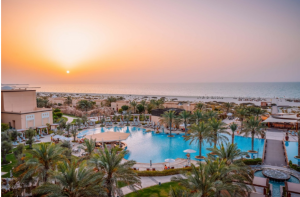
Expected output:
(149, 41)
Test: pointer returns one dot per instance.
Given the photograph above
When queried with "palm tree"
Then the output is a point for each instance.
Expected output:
(89, 145)
(230, 152)
(143, 103)
(198, 115)
(85, 105)
(168, 117)
(253, 126)
(68, 126)
(6, 146)
(218, 127)
(199, 133)
(227, 106)
(74, 133)
(241, 113)
(110, 163)
(233, 128)
(30, 133)
(200, 106)
(44, 157)
(73, 180)
(78, 122)
(133, 104)
(127, 117)
(215, 179)
(68, 101)
(62, 124)
(110, 99)
(84, 119)
(298, 144)
(185, 116)
(210, 114)
(149, 107)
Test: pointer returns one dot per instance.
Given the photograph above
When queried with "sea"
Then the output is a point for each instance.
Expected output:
(263, 90)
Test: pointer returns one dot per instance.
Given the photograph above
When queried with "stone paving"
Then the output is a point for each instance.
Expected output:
(274, 153)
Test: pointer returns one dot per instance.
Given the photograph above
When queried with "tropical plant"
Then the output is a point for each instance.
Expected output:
(68, 127)
(30, 133)
(84, 119)
(230, 152)
(115, 170)
(200, 106)
(209, 115)
(227, 106)
(13, 134)
(233, 128)
(143, 103)
(181, 193)
(6, 146)
(185, 116)
(85, 105)
(198, 115)
(73, 180)
(241, 112)
(140, 108)
(74, 133)
(110, 99)
(127, 117)
(62, 124)
(68, 149)
(215, 178)
(253, 126)
(42, 160)
(256, 111)
(68, 101)
(78, 122)
(4, 127)
(124, 107)
(133, 104)
(89, 145)
(199, 133)
(42, 102)
(149, 107)
(218, 128)
(167, 117)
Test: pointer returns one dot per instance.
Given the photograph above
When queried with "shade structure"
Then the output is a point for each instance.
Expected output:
(189, 151)
(58, 136)
(278, 120)
(229, 114)
(109, 136)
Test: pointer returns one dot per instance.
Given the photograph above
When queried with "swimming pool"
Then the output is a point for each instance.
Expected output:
(292, 151)
(145, 146)
(276, 184)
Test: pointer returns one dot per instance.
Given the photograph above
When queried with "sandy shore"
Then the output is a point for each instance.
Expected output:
(279, 101)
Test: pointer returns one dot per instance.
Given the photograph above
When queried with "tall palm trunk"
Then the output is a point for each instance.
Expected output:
(185, 128)
(170, 128)
(232, 141)
(215, 140)
(200, 146)
(252, 139)
(299, 144)
(241, 125)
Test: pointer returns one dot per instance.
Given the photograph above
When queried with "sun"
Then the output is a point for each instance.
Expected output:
(68, 71)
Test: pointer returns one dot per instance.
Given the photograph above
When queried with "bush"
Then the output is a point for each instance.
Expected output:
(97, 122)
(294, 166)
(124, 107)
(56, 110)
(58, 114)
(120, 111)
(252, 161)
(102, 125)
(164, 172)
(4, 126)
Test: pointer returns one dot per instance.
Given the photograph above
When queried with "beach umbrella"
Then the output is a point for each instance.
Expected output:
(189, 151)
(170, 161)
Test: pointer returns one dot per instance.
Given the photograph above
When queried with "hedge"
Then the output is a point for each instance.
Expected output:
(164, 172)
(252, 161)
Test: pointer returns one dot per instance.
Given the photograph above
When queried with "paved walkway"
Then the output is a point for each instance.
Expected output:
(70, 119)
(275, 153)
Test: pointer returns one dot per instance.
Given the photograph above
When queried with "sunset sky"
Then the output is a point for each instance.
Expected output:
(147, 41)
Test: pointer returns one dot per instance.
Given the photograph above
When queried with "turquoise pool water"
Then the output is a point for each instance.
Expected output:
(292, 151)
(145, 146)
(276, 185)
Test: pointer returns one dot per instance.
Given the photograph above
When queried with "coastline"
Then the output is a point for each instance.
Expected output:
(278, 101)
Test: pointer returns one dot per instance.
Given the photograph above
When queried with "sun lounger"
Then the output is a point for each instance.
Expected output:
(153, 169)
(148, 169)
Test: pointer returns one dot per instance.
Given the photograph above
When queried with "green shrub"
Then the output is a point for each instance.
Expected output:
(56, 110)
(124, 107)
(294, 166)
(58, 114)
(4, 126)
(102, 125)
(164, 172)
(97, 122)
(252, 161)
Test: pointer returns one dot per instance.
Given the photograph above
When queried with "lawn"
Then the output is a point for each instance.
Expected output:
(70, 115)
(155, 191)
(65, 118)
